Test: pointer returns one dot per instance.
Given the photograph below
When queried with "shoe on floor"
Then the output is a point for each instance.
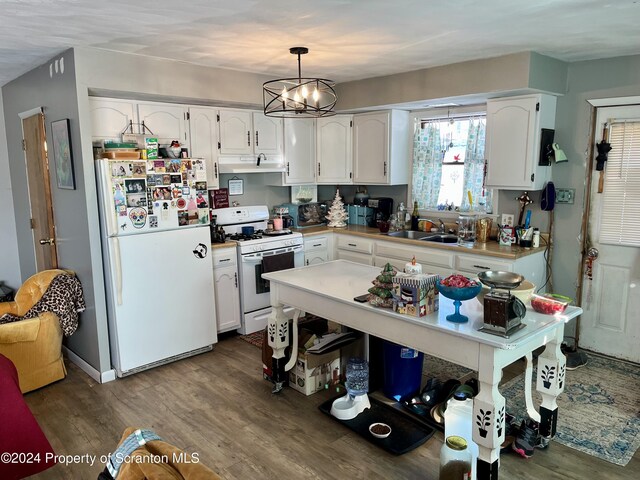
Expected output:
(576, 360)
(525, 441)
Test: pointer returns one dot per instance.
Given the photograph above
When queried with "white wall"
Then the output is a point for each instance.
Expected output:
(9, 264)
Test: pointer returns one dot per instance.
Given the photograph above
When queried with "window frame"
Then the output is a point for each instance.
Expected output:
(417, 116)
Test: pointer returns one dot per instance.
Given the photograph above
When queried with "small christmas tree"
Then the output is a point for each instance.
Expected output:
(380, 295)
(337, 213)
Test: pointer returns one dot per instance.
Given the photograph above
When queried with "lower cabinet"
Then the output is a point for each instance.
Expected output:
(226, 288)
(355, 249)
(316, 250)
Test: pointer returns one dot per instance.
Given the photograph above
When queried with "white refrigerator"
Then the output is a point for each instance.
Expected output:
(154, 218)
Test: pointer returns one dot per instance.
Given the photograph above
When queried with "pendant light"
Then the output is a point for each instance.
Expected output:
(299, 97)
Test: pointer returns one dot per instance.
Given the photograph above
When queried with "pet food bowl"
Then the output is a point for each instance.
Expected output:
(380, 430)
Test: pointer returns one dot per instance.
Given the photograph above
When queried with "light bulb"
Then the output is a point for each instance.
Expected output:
(305, 92)
(296, 97)
(316, 95)
(285, 93)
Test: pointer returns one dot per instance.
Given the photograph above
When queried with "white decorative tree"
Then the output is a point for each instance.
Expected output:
(337, 213)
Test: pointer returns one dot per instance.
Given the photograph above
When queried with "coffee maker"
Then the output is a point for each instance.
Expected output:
(382, 209)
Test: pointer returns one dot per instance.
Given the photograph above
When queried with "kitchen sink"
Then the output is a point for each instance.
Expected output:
(440, 238)
(411, 234)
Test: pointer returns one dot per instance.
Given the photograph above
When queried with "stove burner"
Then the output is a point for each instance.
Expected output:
(243, 238)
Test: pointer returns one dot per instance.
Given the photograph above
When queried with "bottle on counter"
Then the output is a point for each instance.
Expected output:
(536, 238)
(455, 459)
(415, 217)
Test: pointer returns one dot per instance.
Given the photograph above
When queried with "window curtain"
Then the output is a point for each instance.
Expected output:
(474, 167)
(427, 164)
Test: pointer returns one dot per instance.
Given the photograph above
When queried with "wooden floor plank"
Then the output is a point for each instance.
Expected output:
(218, 405)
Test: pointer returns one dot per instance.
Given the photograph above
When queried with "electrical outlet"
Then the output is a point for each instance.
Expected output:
(508, 219)
(565, 195)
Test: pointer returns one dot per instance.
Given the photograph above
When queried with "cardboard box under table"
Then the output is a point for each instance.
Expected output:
(312, 372)
(415, 294)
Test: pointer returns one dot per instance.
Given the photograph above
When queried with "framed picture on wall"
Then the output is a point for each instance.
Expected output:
(61, 144)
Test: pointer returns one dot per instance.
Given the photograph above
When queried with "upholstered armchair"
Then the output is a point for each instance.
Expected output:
(34, 345)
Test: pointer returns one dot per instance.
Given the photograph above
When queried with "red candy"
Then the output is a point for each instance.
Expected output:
(458, 281)
(547, 305)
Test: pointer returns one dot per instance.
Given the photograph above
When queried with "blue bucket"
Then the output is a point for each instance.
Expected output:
(402, 371)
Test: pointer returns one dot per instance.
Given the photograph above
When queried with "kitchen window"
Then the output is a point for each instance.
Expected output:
(448, 162)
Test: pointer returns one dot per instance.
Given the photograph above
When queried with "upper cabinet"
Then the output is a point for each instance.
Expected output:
(512, 147)
(244, 132)
(334, 153)
(381, 148)
(203, 127)
(111, 117)
(299, 151)
(167, 122)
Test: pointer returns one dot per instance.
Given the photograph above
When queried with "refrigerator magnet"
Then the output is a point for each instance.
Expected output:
(174, 165)
(176, 179)
(158, 166)
(186, 190)
(166, 179)
(139, 169)
(181, 203)
(153, 221)
(138, 217)
(201, 186)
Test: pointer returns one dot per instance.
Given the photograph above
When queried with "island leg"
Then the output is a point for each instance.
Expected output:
(488, 415)
(278, 339)
(550, 383)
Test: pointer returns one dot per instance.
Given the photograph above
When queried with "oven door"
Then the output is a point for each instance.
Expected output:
(255, 290)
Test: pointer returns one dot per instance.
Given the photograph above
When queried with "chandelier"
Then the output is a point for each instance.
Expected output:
(299, 97)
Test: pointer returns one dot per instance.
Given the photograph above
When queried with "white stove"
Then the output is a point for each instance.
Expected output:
(282, 249)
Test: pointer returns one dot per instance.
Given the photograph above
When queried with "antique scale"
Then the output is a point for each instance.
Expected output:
(503, 312)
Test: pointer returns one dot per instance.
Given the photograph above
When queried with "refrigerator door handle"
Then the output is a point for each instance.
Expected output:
(118, 268)
(105, 184)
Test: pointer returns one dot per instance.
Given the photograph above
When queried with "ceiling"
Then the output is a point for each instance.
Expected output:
(348, 39)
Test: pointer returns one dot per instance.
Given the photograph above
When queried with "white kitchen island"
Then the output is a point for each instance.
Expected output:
(328, 289)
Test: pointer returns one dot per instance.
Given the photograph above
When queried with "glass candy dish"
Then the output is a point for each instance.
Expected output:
(458, 295)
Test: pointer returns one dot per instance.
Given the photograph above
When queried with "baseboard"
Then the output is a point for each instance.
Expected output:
(99, 377)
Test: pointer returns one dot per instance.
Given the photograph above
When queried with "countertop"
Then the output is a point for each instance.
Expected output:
(227, 244)
(490, 249)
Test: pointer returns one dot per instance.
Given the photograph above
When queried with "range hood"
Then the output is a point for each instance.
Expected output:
(252, 164)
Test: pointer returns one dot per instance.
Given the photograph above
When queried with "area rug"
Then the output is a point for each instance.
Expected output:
(598, 411)
(254, 338)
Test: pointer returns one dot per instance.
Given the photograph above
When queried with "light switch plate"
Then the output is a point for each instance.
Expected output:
(508, 219)
(565, 195)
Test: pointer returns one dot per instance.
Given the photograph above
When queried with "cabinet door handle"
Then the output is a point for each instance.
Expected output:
(307, 262)
(317, 244)
(256, 138)
(215, 169)
(225, 260)
(287, 169)
(482, 267)
(384, 174)
(318, 168)
(248, 138)
(235, 276)
(352, 244)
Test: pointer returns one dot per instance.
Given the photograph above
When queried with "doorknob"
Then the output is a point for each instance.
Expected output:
(47, 241)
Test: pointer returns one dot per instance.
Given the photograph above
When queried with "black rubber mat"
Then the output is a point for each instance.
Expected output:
(405, 433)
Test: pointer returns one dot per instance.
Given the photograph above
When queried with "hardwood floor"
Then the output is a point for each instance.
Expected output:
(218, 405)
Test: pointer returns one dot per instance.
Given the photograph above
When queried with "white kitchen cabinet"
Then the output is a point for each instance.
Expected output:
(432, 260)
(267, 134)
(334, 154)
(299, 151)
(512, 146)
(203, 129)
(110, 117)
(246, 132)
(354, 248)
(226, 289)
(381, 148)
(316, 250)
(532, 267)
(168, 122)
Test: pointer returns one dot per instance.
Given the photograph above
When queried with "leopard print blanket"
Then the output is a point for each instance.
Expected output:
(64, 297)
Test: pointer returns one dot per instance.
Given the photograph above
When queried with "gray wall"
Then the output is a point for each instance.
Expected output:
(57, 95)
(517, 73)
(256, 192)
(608, 78)
(9, 264)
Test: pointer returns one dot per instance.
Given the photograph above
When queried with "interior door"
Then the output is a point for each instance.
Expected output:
(611, 301)
(37, 163)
